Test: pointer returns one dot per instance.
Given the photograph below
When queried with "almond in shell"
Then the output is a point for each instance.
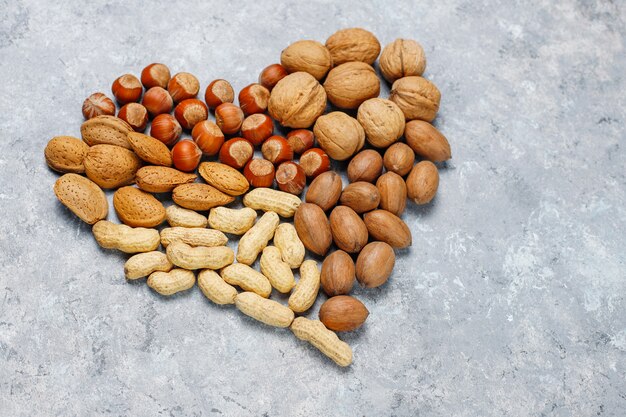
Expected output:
(422, 182)
(66, 154)
(348, 230)
(200, 197)
(313, 228)
(108, 130)
(155, 179)
(111, 166)
(389, 228)
(343, 313)
(151, 150)
(325, 190)
(360, 196)
(223, 177)
(83, 197)
(137, 208)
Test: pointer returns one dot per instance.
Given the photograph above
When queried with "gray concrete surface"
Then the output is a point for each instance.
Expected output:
(509, 303)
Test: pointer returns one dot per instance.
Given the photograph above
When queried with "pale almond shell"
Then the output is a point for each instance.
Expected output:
(137, 208)
(223, 177)
(151, 150)
(200, 197)
(66, 154)
(109, 130)
(111, 166)
(156, 179)
(83, 197)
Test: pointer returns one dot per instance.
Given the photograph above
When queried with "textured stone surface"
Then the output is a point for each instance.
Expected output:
(509, 303)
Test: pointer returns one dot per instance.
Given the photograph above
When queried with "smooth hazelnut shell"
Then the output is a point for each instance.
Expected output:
(98, 104)
(127, 89)
(157, 101)
(271, 75)
(166, 128)
(155, 75)
(259, 173)
(290, 178)
(186, 155)
(208, 137)
(229, 118)
(257, 127)
(189, 112)
(314, 162)
(183, 86)
(236, 152)
(253, 99)
(301, 140)
(135, 114)
(218, 92)
(276, 149)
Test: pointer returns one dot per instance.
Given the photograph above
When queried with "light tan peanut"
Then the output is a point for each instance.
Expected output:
(193, 236)
(305, 292)
(182, 217)
(247, 279)
(143, 264)
(276, 270)
(234, 221)
(266, 311)
(291, 247)
(215, 288)
(168, 283)
(314, 332)
(199, 257)
(266, 199)
(125, 238)
(255, 239)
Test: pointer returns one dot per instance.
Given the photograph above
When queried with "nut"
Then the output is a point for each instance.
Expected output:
(98, 104)
(199, 257)
(125, 238)
(166, 128)
(149, 149)
(360, 196)
(127, 89)
(219, 92)
(256, 238)
(247, 279)
(340, 135)
(229, 118)
(367, 166)
(399, 158)
(325, 190)
(183, 86)
(291, 247)
(259, 173)
(186, 155)
(392, 190)
(181, 217)
(257, 127)
(193, 236)
(233, 221)
(313, 228)
(350, 84)
(314, 162)
(300, 140)
(144, 264)
(271, 75)
(389, 228)
(137, 208)
(382, 120)
(223, 177)
(155, 75)
(215, 288)
(427, 141)
(337, 273)
(107, 130)
(276, 270)
(208, 137)
(374, 264)
(343, 313)
(135, 115)
(290, 177)
(157, 101)
(422, 182)
(236, 152)
(314, 332)
(266, 311)
(66, 154)
(169, 283)
(348, 230)
(297, 100)
(199, 197)
(111, 166)
(276, 149)
(156, 179)
(417, 97)
(354, 44)
(83, 197)
(308, 56)
(305, 291)
(266, 199)
(190, 112)
(253, 99)
(402, 58)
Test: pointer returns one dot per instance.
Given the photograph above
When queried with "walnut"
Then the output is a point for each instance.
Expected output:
(382, 120)
(307, 56)
(402, 58)
(350, 84)
(340, 135)
(417, 97)
(297, 100)
(354, 44)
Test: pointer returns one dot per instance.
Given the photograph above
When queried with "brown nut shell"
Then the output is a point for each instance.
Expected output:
(157, 179)
(338, 273)
(325, 190)
(389, 228)
(366, 165)
(108, 130)
(313, 228)
(297, 100)
(348, 230)
(382, 120)
(350, 84)
(111, 166)
(402, 58)
(422, 182)
(82, 196)
(200, 197)
(427, 141)
(353, 44)
(308, 56)
(374, 264)
(360, 196)
(66, 154)
(137, 208)
(399, 158)
(339, 135)
(417, 97)
(393, 193)
(343, 313)
(149, 149)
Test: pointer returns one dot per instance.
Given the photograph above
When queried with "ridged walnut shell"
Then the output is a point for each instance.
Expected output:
(417, 97)
(350, 84)
(354, 44)
(402, 58)
(297, 100)
(382, 120)
(308, 56)
(339, 135)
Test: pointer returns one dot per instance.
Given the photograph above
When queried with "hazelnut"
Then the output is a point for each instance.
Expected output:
(360, 196)
(350, 84)
(157, 101)
(402, 58)
(427, 141)
(325, 190)
(135, 115)
(382, 120)
(417, 97)
(297, 100)
(229, 118)
(338, 273)
(422, 182)
(257, 127)
(314, 162)
(183, 86)
(208, 137)
(186, 155)
(166, 129)
(399, 158)
(367, 166)
(253, 99)
(271, 75)
(190, 111)
(300, 140)
(355, 44)
(276, 149)
(219, 92)
(340, 135)
(308, 56)
(127, 89)
(392, 189)
(98, 104)
(374, 264)
(259, 173)
(290, 178)
(236, 152)
(155, 75)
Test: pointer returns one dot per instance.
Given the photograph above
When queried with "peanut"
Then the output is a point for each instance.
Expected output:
(193, 236)
(199, 257)
(168, 283)
(143, 264)
(314, 332)
(125, 238)
(215, 288)
(266, 311)
(247, 278)
(256, 239)
(234, 221)
(266, 199)
(278, 272)
(305, 292)
(182, 217)
(291, 247)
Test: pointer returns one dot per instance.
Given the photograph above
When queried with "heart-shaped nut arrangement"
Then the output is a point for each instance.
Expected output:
(339, 235)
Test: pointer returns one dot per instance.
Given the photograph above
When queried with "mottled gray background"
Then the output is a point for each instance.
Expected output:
(509, 303)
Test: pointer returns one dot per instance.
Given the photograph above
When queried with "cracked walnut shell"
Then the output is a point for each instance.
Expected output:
(402, 58)
(297, 100)
(350, 84)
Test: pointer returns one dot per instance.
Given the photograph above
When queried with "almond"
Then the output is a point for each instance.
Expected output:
(422, 182)
(348, 230)
(137, 208)
(325, 190)
(392, 190)
(427, 141)
(313, 228)
(374, 264)
(111, 166)
(151, 150)
(199, 197)
(83, 197)
(109, 130)
(389, 228)
(162, 179)
(66, 154)
(367, 165)
(360, 196)
(343, 313)
(337, 273)
(223, 177)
